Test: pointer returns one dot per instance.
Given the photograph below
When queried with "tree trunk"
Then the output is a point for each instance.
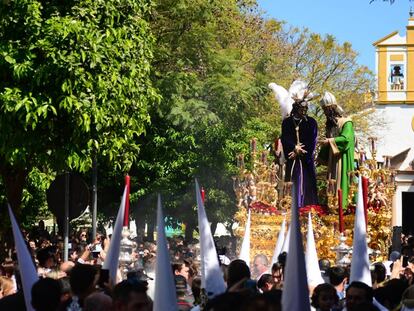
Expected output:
(140, 223)
(14, 180)
(213, 227)
(150, 231)
(188, 234)
(229, 228)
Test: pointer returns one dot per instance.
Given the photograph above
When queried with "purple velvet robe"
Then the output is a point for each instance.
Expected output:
(301, 170)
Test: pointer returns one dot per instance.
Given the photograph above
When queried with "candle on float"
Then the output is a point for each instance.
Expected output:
(203, 194)
(264, 157)
(126, 213)
(253, 145)
(365, 198)
(332, 186)
(340, 212)
(328, 188)
(388, 165)
(279, 147)
(361, 157)
(241, 160)
(373, 144)
(287, 191)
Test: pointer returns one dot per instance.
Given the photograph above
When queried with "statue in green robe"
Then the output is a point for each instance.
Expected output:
(337, 149)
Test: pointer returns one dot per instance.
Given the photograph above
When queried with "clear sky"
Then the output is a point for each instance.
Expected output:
(355, 21)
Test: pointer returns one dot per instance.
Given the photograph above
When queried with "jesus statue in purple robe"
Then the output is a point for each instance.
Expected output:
(299, 136)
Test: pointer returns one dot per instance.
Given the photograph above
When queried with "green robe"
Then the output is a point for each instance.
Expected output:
(344, 145)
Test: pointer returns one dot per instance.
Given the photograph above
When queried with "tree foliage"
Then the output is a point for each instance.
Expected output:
(212, 63)
(74, 82)
(82, 78)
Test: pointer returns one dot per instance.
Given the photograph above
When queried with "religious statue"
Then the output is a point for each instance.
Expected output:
(299, 134)
(338, 147)
(252, 190)
(377, 197)
(326, 155)
(242, 193)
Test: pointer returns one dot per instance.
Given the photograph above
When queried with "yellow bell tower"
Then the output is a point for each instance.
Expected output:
(394, 108)
(410, 59)
(395, 66)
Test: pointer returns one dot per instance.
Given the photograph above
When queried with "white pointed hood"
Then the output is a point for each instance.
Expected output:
(286, 242)
(165, 298)
(211, 276)
(280, 241)
(312, 263)
(295, 296)
(27, 268)
(360, 260)
(112, 257)
(245, 247)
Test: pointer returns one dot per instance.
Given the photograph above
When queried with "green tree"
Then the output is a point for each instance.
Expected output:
(210, 94)
(212, 63)
(74, 82)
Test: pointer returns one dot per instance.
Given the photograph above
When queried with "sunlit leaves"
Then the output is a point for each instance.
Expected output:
(80, 71)
(212, 63)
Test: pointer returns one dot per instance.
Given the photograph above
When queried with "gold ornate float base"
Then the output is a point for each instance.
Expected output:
(265, 229)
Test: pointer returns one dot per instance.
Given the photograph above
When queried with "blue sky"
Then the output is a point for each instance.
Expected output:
(355, 21)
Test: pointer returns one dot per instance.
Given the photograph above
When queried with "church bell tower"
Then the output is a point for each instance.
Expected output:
(394, 107)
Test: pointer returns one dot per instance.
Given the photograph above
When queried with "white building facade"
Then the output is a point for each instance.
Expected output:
(394, 106)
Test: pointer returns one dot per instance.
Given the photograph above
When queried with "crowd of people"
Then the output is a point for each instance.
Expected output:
(78, 284)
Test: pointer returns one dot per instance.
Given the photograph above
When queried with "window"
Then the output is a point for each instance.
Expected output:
(397, 80)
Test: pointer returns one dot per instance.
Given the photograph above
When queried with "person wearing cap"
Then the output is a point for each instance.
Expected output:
(337, 149)
(299, 134)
